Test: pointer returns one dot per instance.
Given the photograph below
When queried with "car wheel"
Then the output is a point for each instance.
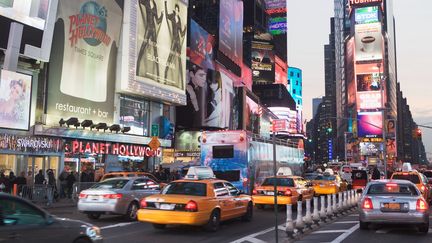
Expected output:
(132, 210)
(259, 206)
(82, 240)
(159, 226)
(364, 225)
(214, 221)
(93, 216)
(424, 228)
(249, 213)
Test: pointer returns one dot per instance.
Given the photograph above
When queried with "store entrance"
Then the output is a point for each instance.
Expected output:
(44, 163)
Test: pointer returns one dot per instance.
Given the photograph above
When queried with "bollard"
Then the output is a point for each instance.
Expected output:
(345, 200)
(308, 217)
(289, 229)
(340, 208)
(322, 210)
(352, 198)
(15, 189)
(329, 206)
(315, 215)
(299, 222)
(335, 211)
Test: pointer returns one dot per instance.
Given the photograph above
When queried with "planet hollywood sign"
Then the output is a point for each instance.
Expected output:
(92, 147)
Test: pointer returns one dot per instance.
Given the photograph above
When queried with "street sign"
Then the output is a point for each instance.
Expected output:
(279, 125)
(154, 143)
(155, 130)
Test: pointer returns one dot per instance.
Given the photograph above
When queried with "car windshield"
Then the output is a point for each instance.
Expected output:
(311, 176)
(392, 189)
(428, 174)
(186, 188)
(279, 182)
(409, 177)
(325, 178)
(110, 184)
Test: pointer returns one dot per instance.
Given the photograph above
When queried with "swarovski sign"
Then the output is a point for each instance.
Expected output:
(30, 143)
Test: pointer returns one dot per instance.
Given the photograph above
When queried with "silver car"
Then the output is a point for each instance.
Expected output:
(393, 202)
(119, 196)
(22, 221)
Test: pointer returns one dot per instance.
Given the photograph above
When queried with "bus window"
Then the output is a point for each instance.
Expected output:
(223, 152)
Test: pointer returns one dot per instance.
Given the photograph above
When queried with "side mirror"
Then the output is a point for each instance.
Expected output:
(359, 190)
(49, 219)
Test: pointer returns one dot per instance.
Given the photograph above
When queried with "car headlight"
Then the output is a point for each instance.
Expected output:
(93, 232)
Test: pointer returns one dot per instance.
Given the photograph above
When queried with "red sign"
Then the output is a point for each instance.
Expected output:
(363, 2)
(279, 125)
(276, 11)
(76, 147)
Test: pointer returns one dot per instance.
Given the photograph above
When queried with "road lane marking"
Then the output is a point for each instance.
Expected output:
(346, 234)
(255, 240)
(118, 225)
(346, 222)
(246, 238)
(329, 231)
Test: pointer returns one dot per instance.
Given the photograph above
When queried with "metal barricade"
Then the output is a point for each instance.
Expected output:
(38, 193)
(78, 187)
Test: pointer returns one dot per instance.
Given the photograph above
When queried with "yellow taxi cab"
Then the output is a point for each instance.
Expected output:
(418, 179)
(328, 183)
(290, 189)
(200, 199)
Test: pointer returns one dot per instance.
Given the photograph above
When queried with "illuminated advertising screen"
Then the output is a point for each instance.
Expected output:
(161, 44)
(252, 115)
(370, 148)
(281, 71)
(276, 11)
(366, 15)
(201, 49)
(231, 30)
(359, 3)
(368, 42)
(272, 4)
(134, 113)
(286, 113)
(263, 62)
(15, 99)
(369, 100)
(350, 72)
(82, 69)
(370, 124)
(277, 25)
(368, 82)
(187, 143)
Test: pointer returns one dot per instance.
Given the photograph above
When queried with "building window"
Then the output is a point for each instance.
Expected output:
(291, 74)
(135, 113)
(289, 81)
(294, 91)
(296, 82)
(298, 75)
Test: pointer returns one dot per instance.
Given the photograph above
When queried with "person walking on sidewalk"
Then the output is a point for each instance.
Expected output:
(63, 182)
(70, 180)
(39, 178)
(4, 182)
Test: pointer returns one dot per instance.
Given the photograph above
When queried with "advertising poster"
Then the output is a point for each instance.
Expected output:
(369, 100)
(281, 71)
(201, 46)
(263, 62)
(350, 72)
(187, 144)
(83, 59)
(231, 30)
(368, 82)
(370, 124)
(366, 15)
(368, 42)
(272, 4)
(391, 128)
(134, 113)
(161, 43)
(15, 99)
(277, 25)
(370, 148)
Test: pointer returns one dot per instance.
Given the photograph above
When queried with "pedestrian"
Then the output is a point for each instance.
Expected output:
(21, 182)
(29, 179)
(39, 178)
(12, 181)
(51, 187)
(4, 182)
(63, 182)
(70, 180)
(376, 175)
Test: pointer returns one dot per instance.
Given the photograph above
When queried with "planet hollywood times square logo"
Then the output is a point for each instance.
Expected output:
(90, 24)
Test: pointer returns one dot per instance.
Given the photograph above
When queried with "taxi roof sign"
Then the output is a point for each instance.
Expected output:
(407, 167)
(200, 173)
(284, 171)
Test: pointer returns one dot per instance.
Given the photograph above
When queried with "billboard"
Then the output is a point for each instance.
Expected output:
(281, 71)
(15, 99)
(134, 113)
(350, 72)
(273, 4)
(366, 15)
(287, 114)
(263, 62)
(370, 124)
(201, 48)
(231, 30)
(161, 44)
(369, 100)
(368, 82)
(370, 148)
(83, 59)
(368, 42)
(277, 25)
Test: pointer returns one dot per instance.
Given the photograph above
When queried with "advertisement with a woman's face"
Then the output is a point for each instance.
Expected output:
(214, 113)
(14, 100)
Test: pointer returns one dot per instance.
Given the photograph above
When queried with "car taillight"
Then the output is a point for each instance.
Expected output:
(143, 203)
(82, 195)
(421, 205)
(113, 196)
(367, 203)
(254, 192)
(391, 185)
(288, 193)
(422, 188)
(191, 206)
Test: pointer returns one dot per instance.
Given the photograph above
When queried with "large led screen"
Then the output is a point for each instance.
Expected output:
(231, 30)
(368, 42)
(281, 71)
(15, 99)
(368, 82)
(366, 15)
(369, 100)
(263, 62)
(370, 148)
(83, 59)
(201, 48)
(370, 124)
(161, 43)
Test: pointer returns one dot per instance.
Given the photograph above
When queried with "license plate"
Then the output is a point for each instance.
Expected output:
(94, 197)
(167, 206)
(270, 193)
(392, 206)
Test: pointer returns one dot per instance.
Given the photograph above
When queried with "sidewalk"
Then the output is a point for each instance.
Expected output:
(62, 203)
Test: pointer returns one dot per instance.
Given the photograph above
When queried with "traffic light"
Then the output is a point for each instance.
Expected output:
(329, 128)
(418, 133)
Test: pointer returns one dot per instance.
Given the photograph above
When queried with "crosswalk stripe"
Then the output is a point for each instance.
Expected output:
(346, 222)
(329, 231)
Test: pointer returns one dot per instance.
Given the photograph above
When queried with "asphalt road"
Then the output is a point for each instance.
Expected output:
(116, 229)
